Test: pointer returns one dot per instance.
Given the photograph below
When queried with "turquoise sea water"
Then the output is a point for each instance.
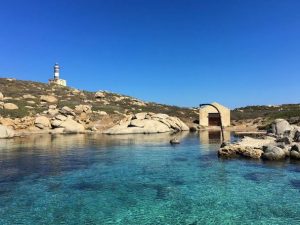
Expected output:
(140, 179)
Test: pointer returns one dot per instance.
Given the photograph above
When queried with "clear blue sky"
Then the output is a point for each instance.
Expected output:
(236, 52)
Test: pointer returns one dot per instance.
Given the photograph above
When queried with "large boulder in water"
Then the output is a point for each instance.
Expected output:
(71, 126)
(272, 152)
(281, 127)
(148, 123)
(6, 132)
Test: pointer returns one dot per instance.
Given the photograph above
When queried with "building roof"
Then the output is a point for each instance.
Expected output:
(219, 106)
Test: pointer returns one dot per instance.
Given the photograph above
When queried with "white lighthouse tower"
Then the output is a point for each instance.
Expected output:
(56, 79)
(56, 71)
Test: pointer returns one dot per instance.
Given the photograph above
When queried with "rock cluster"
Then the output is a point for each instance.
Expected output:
(78, 120)
(148, 123)
(283, 142)
(53, 120)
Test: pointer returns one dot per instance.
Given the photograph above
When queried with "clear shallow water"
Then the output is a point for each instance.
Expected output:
(137, 179)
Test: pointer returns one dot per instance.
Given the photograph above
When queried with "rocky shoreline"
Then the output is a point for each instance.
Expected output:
(282, 142)
(66, 120)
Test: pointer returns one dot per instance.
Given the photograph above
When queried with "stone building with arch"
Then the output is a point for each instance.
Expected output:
(209, 116)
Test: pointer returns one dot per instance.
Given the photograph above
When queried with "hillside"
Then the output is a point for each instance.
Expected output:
(27, 96)
(262, 116)
(106, 108)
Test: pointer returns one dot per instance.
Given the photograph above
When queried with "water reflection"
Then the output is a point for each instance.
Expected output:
(42, 155)
(213, 137)
(54, 143)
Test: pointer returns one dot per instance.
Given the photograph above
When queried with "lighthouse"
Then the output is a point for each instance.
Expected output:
(56, 71)
(56, 79)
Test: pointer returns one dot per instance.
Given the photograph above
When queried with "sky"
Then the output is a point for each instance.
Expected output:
(235, 52)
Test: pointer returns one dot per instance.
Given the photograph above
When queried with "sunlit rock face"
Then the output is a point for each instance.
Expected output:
(148, 123)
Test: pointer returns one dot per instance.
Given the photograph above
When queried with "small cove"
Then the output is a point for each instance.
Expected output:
(140, 179)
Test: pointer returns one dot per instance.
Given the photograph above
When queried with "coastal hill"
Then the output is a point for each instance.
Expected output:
(18, 91)
(262, 116)
(25, 99)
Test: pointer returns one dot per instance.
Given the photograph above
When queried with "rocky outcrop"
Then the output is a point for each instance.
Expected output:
(148, 123)
(18, 123)
(281, 127)
(48, 98)
(273, 152)
(71, 126)
(1, 96)
(10, 106)
(42, 122)
(248, 147)
(6, 132)
(68, 124)
(282, 143)
(240, 151)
